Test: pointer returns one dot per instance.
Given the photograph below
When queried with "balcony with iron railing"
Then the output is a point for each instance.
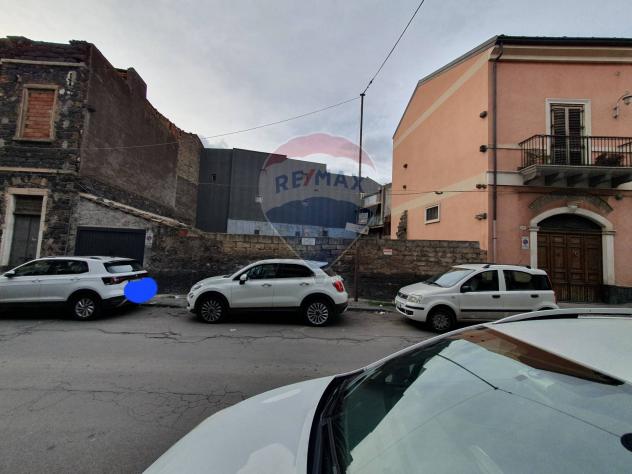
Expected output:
(575, 161)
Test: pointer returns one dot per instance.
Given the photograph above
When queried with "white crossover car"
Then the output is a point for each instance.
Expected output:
(476, 292)
(85, 285)
(273, 285)
(546, 392)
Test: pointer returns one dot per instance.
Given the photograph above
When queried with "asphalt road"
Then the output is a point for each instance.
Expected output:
(112, 395)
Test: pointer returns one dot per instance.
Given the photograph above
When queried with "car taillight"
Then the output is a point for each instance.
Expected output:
(113, 280)
(338, 285)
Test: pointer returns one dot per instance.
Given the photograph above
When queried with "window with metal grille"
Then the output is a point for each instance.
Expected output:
(567, 134)
(36, 117)
(432, 214)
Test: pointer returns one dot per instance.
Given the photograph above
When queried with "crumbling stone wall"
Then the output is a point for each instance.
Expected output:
(135, 153)
(70, 78)
(60, 204)
(180, 257)
(187, 170)
(100, 117)
(49, 165)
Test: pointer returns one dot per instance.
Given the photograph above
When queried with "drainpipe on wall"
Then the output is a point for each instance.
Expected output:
(494, 153)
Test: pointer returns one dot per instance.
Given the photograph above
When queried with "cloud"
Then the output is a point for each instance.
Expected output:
(216, 66)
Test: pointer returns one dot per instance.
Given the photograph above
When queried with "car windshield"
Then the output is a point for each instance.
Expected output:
(478, 401)
(449, 278)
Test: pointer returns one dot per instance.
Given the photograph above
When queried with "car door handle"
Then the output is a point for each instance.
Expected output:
(304, 284)
(495, 296)
(35, 281)
(535, 296)
(266, 285)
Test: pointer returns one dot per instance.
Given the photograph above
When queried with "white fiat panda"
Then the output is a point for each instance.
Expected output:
(476, 292)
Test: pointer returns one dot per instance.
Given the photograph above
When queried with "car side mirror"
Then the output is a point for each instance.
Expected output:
(243, 278)
(466, 289)
(9, 274)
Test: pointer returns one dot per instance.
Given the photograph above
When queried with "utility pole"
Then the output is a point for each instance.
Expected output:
(356, 263)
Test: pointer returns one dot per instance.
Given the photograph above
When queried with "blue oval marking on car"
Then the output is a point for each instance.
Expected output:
(140, 291)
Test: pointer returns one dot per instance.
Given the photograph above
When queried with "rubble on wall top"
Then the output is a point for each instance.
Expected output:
(150, 216)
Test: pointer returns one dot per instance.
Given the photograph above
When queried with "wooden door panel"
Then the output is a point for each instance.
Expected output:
(574, 263)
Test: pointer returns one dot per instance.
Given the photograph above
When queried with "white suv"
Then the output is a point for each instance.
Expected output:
(276, 285)
(85, 284)
(476, 292)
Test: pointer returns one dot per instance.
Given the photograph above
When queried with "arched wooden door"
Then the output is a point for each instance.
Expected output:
(570, 250)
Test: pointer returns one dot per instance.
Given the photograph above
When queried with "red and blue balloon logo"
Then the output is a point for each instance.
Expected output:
(313, 198)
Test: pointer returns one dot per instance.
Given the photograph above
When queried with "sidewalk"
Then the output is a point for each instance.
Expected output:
(180, 301)
(594, 305)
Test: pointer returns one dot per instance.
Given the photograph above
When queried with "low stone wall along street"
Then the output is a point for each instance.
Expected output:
(180, 257)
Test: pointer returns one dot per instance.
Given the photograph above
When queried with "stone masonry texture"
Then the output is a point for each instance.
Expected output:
(179, 257)
(183, 257)
(100, 116)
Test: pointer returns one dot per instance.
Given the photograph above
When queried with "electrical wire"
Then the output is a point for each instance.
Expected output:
(282, 121)
(393, 48)
(322, 109)
(249, 129)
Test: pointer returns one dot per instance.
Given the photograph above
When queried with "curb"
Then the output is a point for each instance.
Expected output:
(365, 309)
(162, 305)
(370, 309)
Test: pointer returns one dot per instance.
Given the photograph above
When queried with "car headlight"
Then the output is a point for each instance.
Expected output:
(197, 286)
(414, 299)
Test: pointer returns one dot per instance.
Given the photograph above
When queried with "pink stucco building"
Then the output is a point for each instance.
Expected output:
(525, 144)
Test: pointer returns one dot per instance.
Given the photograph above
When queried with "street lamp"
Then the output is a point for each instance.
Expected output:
(626, 98)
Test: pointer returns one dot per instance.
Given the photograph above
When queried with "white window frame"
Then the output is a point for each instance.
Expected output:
(432, 221)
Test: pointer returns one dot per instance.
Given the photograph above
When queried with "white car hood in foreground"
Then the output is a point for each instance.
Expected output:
(266, 434)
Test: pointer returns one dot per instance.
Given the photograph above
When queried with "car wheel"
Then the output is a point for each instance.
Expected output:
(211, 309)
(317, 312)
(441, 320)
(85, 306)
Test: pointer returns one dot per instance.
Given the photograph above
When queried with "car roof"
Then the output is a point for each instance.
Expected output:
(298, 261)
(85, 259)
(598, 338)
(500, 266)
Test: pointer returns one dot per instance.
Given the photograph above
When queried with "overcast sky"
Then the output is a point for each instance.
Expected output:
(217, 66)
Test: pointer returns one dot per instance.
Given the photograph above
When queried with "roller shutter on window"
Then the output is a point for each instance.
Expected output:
(567, 130)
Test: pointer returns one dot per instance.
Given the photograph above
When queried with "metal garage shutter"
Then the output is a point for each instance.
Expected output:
(111, 242)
